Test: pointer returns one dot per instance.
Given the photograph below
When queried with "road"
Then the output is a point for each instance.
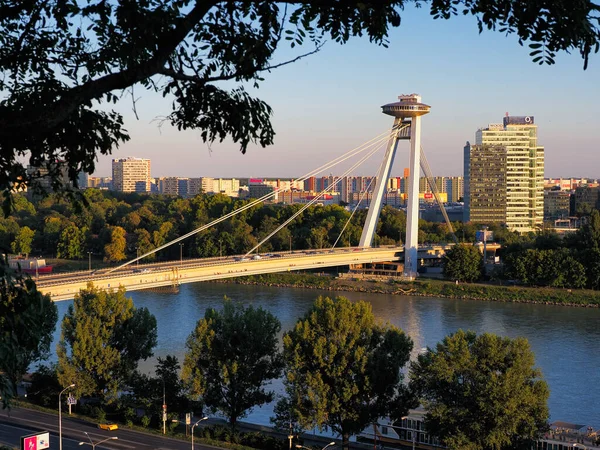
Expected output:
(21, 422)
(64, 287)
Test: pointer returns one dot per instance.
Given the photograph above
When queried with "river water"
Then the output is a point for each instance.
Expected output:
(565, 340)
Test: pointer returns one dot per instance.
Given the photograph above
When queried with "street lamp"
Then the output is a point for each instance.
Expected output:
(306, 448)
(90, 261)
(60, 415)
(112, 438)
(181, 254)
(220, 248)
(193, 426)
(137, 256)
(290, 243)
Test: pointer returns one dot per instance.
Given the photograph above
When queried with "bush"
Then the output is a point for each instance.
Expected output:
(145, 421)
(99, 413)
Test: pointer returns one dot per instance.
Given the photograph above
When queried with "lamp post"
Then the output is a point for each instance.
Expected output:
(181, 254)
(90, 261)
(137, 255)
(220, 248)
(306, 448)
(194, 426)
(290, 243)
(60, 415)
(112, 438)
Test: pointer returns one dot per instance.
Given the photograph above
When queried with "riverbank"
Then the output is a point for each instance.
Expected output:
(428, 288)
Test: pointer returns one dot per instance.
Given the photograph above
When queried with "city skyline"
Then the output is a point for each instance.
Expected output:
(329, 103)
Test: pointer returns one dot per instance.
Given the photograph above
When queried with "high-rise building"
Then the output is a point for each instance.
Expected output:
(557, 204)
(457, 189)
(504, 175)
(131, 174)
(41, 177)
(168, 185)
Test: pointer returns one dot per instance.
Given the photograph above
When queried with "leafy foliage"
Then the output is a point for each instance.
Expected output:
(463, 263)
(27, 321)
(71, 243)
(481, 392)
(231, 355)
(103, 338)
(114, 250)
(343, 369)
(64, 63)
(23, 240)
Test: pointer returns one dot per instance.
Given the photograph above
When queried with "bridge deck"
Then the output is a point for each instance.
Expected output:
(65, 286)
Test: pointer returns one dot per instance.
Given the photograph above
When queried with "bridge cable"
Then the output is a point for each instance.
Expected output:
(374, 141)
(314, 200)
(362, 196)
(427, 170)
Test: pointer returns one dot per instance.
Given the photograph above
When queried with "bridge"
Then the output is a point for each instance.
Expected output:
(172, 273)
(407, 115)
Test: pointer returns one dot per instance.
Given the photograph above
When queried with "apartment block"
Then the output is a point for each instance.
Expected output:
(131, 175)
(557, 204)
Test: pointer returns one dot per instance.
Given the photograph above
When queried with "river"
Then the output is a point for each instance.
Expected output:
(565, 340)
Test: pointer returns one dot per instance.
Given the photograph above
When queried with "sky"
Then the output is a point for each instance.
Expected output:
(329, 103)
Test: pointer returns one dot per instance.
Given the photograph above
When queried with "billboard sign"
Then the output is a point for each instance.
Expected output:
(481, 236)
(39, 441)
(518, 120)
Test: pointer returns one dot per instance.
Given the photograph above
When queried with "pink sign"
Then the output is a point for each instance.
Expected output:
(30, 443)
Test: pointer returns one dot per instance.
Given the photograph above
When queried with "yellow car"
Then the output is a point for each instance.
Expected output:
(108, 426)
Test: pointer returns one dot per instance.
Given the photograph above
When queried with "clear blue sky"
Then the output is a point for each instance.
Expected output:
(330, 103)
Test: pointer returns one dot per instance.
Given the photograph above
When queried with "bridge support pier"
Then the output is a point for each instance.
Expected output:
(408, 107)
(411, 245)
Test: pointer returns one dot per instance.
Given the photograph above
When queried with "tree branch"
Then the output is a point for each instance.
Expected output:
(41, 121)
(195, 79)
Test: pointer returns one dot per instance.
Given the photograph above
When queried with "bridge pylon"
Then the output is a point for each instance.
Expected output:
(407, 114)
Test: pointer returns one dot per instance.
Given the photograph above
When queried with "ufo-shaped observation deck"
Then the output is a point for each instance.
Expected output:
(408, 106)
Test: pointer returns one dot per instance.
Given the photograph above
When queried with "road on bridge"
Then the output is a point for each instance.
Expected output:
(65, 286)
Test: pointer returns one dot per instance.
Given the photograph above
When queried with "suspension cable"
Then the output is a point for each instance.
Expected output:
(317, 197)
(362, 196)
(382, 137)
(429, 175)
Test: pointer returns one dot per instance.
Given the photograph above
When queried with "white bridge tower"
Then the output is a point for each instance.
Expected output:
(407, 114)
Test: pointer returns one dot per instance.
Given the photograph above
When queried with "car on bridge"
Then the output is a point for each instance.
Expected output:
(256, 257)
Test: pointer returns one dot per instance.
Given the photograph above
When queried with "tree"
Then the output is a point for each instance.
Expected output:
(27, 322)
(114, 250)
(231, 355)
(343, 368)
(144, 244)
(54, 101)
(463, 263)
(70, 244)
(103, 338)
(481, 392)
(23, 240)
